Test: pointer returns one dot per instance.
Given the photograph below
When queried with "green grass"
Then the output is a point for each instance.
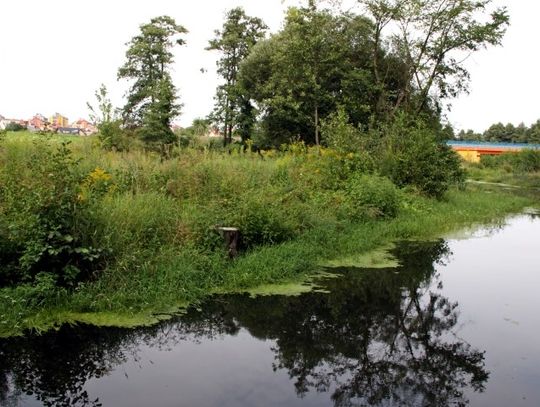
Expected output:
(27, 136)
(156, 221)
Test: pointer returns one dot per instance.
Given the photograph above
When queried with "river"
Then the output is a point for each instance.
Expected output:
(456, 324)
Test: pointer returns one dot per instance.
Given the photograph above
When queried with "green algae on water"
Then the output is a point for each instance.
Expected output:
(294, 289)
(288, 289)
(380, 258)
(47, 320)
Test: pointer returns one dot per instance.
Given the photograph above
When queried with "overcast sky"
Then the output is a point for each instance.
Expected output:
(55, 53)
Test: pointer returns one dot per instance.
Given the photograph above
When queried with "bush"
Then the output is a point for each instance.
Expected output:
(523, 161)
(261, 222)
(371, 196)
(42, 214)
(411, 155)
(338, 134)
(528, 161)
(112, 137)
(337, 168)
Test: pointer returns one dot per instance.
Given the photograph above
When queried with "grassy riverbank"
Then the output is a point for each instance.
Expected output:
(143, 229)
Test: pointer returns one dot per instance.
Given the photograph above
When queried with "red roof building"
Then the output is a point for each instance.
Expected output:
(38, 123)
(85, 126)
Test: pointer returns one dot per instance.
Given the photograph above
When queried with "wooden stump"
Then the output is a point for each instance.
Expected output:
(231, 237)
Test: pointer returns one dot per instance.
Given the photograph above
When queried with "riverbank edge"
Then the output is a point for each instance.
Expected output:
(291, 275)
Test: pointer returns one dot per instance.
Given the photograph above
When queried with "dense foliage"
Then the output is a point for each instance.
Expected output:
(44, 213)
(394, 57)
(364, 67)
(411, 155)
(83, 229)
(12, 126)
(330, 56)
(72, 214)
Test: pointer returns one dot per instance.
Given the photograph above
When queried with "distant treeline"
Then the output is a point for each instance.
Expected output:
(504, 133)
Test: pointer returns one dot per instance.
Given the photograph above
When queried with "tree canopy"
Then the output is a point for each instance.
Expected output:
(507, 133)
(398, 55)
(303, 73)
(432, 38)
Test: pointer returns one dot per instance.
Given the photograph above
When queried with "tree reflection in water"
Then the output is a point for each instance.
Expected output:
(377, 338)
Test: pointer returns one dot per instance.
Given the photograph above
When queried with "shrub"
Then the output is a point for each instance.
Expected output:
(262, 223)
(216, 144)
(338, 134)
(42, 214)
(371, 196)
(528, 161)
(411, 155)
(523, 161)
(112, 137)
(335, 167)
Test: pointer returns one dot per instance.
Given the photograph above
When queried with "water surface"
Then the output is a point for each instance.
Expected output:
(456, 324)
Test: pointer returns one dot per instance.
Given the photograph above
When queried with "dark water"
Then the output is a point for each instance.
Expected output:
(457, 324)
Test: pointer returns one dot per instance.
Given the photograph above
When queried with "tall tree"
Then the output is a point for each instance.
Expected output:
(151, 99)
(520, 133)
(307, 23)
(432, 38)
(499, 132)
(533, 134)
(234, 41)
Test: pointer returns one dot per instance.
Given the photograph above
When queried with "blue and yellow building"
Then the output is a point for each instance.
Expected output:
(472, 151)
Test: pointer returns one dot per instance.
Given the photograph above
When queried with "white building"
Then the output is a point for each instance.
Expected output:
(3, 122)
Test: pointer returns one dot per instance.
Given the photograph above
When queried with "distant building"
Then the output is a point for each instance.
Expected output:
(39, 123)
(85, 126)
(5, 122)
(58, 121)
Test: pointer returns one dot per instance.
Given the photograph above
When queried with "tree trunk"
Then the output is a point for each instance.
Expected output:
(231, 237)
(226, 127)
(316, 115)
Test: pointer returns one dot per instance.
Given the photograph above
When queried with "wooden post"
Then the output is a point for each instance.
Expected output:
(232, 239)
